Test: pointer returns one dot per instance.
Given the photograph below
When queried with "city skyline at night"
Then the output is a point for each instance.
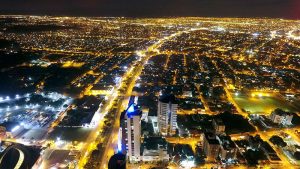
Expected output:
(288, 9)
(134, 84)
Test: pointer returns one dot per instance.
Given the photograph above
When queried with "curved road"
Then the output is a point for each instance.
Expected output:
(20, 160)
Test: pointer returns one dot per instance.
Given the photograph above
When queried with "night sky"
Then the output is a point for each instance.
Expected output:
(155, 8)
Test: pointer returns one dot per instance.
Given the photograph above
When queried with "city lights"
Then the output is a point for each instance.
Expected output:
(178, 92)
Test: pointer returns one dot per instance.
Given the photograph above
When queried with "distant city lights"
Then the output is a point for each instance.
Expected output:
(17, 96)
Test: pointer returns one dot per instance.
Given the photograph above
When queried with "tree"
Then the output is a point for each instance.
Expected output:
(276, 140)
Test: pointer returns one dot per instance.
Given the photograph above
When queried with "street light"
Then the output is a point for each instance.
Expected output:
(17, 96)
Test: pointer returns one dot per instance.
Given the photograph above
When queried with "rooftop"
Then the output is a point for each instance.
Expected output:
(281, 112)
(211, 138)
(132, 110)
(153, 143)
(226, 142)
(102, 87)
(168, 98)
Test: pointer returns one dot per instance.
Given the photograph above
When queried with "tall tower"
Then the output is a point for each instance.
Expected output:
(130, 133)
(167, 114)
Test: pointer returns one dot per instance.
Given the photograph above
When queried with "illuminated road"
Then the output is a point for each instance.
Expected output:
(90, 144)
(112, 143)
(231, 100)
(132, 75)
(265, 135)
(20, 159)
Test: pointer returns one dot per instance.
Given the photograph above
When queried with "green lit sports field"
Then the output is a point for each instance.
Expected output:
(262, 105)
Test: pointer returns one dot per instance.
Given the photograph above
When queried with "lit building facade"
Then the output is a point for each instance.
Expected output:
(130, 133)
(211, 146)
(167, 115)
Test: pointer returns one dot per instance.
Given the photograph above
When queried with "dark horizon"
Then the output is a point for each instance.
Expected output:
(287, 9)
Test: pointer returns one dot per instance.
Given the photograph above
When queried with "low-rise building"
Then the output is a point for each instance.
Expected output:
(100, 89)
(228, 150)
(2, 133)
(155, 149)
(269, 151)
(11, 129)
(279, 116)
(219, 126)
(254, 141)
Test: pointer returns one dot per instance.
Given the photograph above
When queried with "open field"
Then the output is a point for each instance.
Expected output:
(262, 105)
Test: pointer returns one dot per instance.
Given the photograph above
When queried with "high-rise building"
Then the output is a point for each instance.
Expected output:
(130, 133)
(167, 114)
(211, 146)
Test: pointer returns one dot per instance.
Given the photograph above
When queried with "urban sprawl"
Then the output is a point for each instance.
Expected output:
(90, 92)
